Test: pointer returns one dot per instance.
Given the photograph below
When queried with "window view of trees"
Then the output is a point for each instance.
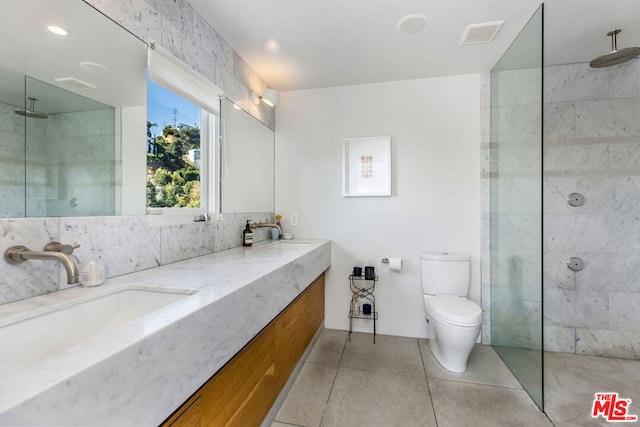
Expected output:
(173, 166)
(173, 150)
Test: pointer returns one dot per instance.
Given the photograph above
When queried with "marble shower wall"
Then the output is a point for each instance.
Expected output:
(129, 244)
(48, 168)
(592, 146)
(86, 135)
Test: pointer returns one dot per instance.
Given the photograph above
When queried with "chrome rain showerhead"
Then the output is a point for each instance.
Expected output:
(616, 56)
(31, 112)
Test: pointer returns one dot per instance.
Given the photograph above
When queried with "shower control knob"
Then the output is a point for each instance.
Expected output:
(575, 199)
(575, 263)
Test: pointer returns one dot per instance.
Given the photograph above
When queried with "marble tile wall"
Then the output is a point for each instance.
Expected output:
(86, 135)
(591, 146)
(129, 244)
(177, 27)
(485, 170)
(50, 173)
(125, 243)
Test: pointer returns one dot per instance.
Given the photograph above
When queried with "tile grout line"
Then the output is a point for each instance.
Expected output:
(326, 405)
(426, 378)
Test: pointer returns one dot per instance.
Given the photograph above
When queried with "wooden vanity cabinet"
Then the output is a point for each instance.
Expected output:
(242, 391)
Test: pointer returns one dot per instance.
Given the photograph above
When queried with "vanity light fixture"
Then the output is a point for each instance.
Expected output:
(269, 97)
(58, 30)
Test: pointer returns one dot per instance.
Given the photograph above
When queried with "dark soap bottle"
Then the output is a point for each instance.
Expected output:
(247, 235)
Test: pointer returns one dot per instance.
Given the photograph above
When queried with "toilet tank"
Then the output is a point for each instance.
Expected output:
(445, 273)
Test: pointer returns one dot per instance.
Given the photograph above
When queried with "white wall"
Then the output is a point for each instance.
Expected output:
(434, 126)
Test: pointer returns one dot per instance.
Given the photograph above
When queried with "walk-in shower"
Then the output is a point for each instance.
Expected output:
(564, 189)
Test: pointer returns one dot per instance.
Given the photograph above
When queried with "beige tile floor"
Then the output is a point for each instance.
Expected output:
(396, 382)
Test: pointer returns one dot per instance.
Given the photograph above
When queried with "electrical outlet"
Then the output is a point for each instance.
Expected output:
(294, 219)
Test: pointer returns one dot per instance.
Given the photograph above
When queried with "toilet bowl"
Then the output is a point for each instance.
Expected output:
(455, 325)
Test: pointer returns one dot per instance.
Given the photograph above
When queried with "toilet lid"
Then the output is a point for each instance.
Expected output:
(455, 310)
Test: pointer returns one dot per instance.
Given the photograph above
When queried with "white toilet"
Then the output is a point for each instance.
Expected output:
(453, 321)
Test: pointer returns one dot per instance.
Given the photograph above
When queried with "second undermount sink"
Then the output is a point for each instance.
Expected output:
(47, 331)
(284, 244)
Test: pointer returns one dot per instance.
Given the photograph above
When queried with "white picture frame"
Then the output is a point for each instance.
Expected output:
(366, 166)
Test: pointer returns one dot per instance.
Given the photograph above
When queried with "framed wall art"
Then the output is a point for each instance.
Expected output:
(366, 166)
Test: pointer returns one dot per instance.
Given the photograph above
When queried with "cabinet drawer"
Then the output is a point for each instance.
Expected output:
(256, 406)
(226, 391)
(315, 304)
(189, 415)
(294, 329)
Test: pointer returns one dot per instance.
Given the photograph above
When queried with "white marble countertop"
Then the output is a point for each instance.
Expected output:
(138, 373)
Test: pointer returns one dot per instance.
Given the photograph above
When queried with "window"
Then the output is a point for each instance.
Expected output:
(182, 122)
(174, 156)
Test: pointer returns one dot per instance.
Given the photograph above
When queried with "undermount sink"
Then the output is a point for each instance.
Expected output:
(47, 331)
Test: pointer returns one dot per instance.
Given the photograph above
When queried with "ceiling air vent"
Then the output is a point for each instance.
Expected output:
(74, 83)
(480, 33)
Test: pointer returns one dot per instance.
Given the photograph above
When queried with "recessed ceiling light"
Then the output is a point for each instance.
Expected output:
(480, 33)
(412, 24)
(58, 30)
(272, 46)
(94, 67)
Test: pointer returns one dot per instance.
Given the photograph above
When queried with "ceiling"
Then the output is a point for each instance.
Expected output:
(307, 44)
(29, 49)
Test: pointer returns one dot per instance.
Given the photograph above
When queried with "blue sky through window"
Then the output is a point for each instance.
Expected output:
(160, 108)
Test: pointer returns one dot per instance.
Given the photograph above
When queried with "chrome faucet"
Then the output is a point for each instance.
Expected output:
(266, 225)
(52, 251)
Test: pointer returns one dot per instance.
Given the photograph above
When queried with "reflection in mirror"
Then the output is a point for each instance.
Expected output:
(247, 162)
(67, 156)
(72, 108)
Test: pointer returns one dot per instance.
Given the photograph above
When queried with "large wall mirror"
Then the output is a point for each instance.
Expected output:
(247, 162)
(72, 112)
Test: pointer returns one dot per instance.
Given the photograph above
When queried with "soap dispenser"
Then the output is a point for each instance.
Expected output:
(247, 235)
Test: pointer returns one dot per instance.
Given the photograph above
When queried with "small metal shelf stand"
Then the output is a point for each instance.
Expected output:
(362, 292)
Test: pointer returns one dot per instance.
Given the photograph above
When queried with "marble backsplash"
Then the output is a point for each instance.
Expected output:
(126, 244)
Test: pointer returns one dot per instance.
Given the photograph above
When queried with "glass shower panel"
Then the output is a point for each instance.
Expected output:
(516, 207)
